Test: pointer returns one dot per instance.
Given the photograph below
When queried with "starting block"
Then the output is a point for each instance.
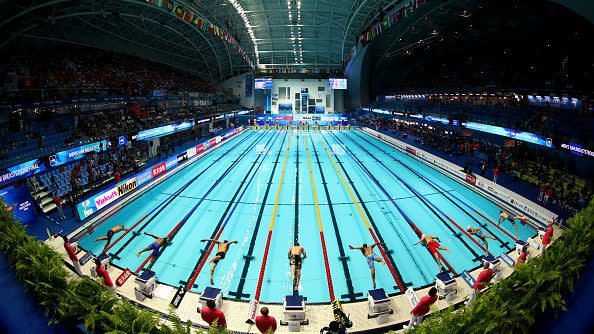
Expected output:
(147, 283)
(378, 303)
(211, 294)
(446, 286)
(519, 246)
(294, 312)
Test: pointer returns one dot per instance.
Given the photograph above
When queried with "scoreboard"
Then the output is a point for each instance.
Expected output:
(303, 119)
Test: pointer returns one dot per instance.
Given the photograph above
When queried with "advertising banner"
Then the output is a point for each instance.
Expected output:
(19, 202)
(93, 204)
(20, 171)
(511, 133)
(76, 153)
(163, 130)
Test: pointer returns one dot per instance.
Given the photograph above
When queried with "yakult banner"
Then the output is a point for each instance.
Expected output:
(96, 203)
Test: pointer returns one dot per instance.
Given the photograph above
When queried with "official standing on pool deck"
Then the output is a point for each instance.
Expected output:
(223, 247)
(371, 257)
(264, 322)
(481, 282)
(422, 308)
(210, 313)
(523, 256)
(72, 256)
(155, 246)
(296, 260)
(102, 273)
(546, 238)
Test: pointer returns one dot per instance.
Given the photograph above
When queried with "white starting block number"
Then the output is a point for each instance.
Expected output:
(412, 297)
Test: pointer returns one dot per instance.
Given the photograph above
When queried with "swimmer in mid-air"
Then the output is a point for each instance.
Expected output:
(155, 246)
(296, 257)
(110, 234)
(433, 246)
(503, 216)
(371, 257)
(479, 233)
(222, 249)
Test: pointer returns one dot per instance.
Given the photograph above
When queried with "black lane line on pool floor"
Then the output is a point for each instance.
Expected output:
(371, 221)
(313, 204)
(296, 227)
(115, 255)
(477, 257)
(249, 257)
(222, 219)
(173, 233)
(361, 165)
(343, 258)
(485, 226)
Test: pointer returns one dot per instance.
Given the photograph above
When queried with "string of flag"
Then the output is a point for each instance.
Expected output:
(390, 20)
(185, 13)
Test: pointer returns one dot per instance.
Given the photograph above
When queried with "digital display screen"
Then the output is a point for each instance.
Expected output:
(263, 83)
(76, 153)
(510, 133)
(163, 130)
(25, 169)
(336, 83)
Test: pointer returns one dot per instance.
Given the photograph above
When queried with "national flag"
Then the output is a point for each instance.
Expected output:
(152, 2)
(169, 4)
(179, 11)
(200, 22)
(188, 15)
(159, 3)
(386, 21)
(211, 29)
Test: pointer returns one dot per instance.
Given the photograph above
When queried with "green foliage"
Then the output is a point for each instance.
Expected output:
(77, 301)
(535, 289)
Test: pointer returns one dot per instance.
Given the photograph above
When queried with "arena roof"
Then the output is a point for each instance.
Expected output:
(216, 39)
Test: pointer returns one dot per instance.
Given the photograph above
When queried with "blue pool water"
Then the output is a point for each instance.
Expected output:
(238, 186)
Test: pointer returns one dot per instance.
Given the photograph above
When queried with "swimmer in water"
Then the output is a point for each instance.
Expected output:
(367, 251)
(479, 233)
(155, 246)
(109, 235)
(296, 257)
(503, 216)
(433, 247)
(222, 249)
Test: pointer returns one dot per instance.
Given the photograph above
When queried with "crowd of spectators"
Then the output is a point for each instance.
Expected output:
(78, 72)
(557, 185)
